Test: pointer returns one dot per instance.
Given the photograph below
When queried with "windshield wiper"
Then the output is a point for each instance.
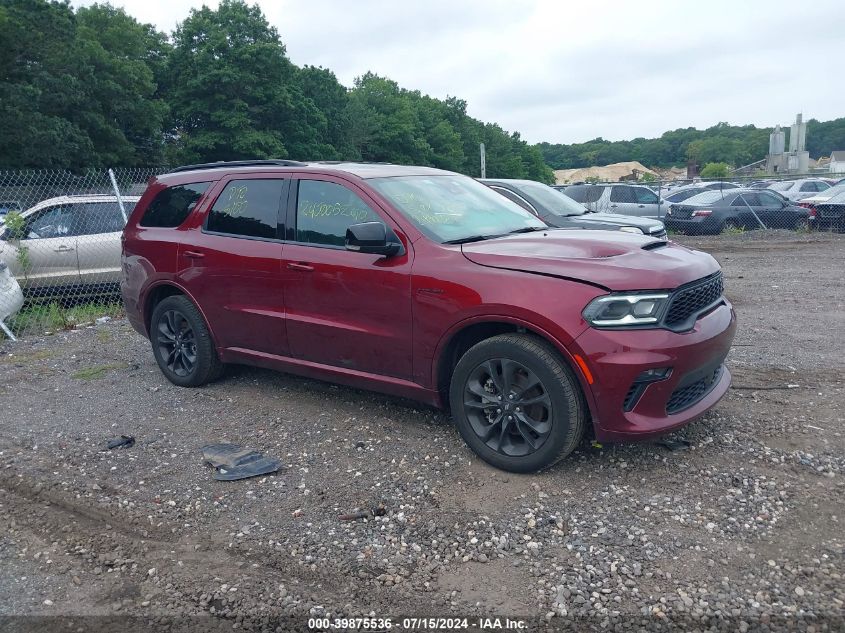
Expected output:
(528, 229)
(471, 238)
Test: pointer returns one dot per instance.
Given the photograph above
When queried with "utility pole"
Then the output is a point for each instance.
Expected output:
(483, 161)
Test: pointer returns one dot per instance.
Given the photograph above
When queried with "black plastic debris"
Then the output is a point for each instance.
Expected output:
(378, 511)
(124, 441)
(231, 462)
(675, 445)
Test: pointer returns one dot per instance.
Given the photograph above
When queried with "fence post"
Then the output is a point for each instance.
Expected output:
(119, 197)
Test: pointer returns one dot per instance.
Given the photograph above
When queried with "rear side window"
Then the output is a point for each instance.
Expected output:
(584, 193)
(622, 194)
(249, 208)
(171, 206)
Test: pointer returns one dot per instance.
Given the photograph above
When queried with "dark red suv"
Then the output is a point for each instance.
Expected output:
(426, 284)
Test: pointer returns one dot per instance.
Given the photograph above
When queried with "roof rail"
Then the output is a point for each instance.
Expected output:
(239, 163)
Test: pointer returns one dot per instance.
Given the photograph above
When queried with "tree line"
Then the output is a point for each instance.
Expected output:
(92, 87)
(736, 145)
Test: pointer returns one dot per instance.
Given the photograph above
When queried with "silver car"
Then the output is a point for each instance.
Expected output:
(69, 241)
(620, 198)
(799, 189)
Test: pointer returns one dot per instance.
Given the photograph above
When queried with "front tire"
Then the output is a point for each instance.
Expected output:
(182, 344)
(516, 403)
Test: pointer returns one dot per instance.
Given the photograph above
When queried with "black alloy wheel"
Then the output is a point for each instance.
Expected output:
(182, 343)
(517, 403)
(177, 343)
(508, 407)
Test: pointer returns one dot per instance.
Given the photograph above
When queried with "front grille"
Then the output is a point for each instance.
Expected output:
(831, 212)
(685, 397)
(687, 302)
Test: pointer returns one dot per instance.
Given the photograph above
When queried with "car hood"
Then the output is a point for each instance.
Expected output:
(596, 220)
(611, 260)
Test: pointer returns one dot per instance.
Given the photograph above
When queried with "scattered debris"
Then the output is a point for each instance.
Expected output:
(596, 444)
(124, 441)
(675, 445)
(378, 511)
(232, 462)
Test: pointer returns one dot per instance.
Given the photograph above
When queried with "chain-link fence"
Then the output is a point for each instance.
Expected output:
(60, 231)
(709, 207)
(60, 245)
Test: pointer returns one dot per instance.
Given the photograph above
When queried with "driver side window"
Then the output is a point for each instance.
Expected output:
(644, 196)
(62, 221)
(324, 210)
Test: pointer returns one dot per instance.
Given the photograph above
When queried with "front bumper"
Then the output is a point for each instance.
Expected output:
(693, 226)
(697, 381)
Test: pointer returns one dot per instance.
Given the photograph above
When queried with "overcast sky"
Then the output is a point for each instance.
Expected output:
(571, 71)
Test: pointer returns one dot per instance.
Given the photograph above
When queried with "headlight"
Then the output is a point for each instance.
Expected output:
(630, 229)
(621, 309)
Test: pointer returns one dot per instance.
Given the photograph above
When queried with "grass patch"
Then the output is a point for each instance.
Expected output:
(94, 373)
(54, 315)
(733, 230)
(23, 359)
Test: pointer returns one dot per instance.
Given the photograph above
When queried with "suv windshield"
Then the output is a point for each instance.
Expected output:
(552, 199)
(452, 208)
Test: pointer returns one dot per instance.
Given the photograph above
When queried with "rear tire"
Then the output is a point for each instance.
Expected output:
(516, 403)
(182, 343)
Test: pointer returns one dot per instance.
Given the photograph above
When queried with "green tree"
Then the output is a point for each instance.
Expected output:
(384, 124)
(715, 170)
(76, 89)
(233, 92)
(331, 98)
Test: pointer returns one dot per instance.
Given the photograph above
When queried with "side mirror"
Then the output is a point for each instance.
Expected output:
(371, 237)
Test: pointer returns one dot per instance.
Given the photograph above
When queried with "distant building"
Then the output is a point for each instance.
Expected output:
(837, 162)
(797, 159)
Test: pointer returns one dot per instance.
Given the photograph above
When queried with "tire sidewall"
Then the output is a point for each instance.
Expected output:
(560, 393)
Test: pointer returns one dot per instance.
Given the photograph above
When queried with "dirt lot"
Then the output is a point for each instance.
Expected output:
(741, 532)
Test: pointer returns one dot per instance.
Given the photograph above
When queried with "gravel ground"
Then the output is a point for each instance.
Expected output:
(740, 532)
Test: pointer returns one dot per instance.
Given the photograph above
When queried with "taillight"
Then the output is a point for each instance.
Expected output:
(810, 206)
(698, 213)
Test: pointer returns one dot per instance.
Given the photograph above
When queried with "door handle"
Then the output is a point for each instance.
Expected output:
(642, 206)
(613, 206)
(194, 254)
(300, 266)
(63, 249)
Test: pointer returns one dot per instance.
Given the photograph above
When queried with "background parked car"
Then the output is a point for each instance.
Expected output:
(801, 188)
(813, 201)
(9, 205)
(559, 210)
(711, 212)
(831, 213)
(683, 193)
(69, 241)
(621, 198)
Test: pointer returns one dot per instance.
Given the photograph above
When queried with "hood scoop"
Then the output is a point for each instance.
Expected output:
(654, 245)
